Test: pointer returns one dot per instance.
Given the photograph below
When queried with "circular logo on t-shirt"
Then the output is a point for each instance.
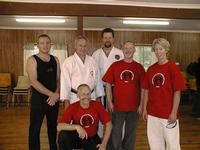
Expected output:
(158, 80)
(86, 120)
(117, 57)
(91, 73)
(127, 75)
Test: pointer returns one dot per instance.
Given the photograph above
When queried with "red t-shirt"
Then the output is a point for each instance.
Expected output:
(162, 81)
(88, 118)
(127, 78)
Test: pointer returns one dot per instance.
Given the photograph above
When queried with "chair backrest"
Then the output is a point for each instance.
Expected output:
(5, 79)
(184, 74)
(23, 82)
(192, 85)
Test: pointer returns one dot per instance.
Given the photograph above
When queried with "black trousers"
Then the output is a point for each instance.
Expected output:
(68, 140)
(37, 115)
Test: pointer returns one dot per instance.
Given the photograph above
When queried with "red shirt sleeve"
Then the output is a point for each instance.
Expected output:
(145, 81)
(109, 76)
(103, 114)
(142, 74)
(178, 80)
(67, 117)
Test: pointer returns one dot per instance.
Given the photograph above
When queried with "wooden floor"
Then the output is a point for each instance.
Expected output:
(14, 123)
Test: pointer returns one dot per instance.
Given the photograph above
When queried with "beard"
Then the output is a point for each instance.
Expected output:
(107, 44)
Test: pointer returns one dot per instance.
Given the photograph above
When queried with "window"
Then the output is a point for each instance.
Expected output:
(144, 55)
(58, 50)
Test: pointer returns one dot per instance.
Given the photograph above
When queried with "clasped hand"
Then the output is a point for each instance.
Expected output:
(53, 99)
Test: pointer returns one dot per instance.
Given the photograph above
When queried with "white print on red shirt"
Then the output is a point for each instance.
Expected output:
(86, 120)
(158, 80)
(127, 75)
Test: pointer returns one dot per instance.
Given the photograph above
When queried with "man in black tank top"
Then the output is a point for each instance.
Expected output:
(44, 74)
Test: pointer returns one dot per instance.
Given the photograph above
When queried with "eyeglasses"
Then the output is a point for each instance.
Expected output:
(171, 125)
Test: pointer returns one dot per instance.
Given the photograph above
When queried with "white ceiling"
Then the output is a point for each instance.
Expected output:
(97, 23)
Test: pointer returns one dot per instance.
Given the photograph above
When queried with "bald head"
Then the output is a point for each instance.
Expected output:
(83, 86)
(84, 92)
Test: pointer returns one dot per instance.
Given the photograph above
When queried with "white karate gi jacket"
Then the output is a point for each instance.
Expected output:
(74, 72)
(104, 62)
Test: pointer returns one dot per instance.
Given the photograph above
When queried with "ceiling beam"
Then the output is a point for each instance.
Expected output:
(50, 9)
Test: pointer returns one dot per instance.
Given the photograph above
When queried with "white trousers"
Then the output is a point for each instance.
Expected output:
(101, 126)
(100, 130)
(161, 135)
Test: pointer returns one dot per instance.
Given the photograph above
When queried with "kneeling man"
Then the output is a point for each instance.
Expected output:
(79, 124)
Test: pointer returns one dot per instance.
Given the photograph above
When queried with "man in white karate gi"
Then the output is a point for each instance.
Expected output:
(79, 69)
(104, 57)
(107, 54)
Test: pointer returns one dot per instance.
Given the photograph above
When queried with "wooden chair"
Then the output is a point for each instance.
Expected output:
(189, 94)
(192, 84)
(5, 86)
(22, 88)
(185, 76)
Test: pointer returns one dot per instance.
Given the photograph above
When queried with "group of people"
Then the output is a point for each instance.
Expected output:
(107, 87)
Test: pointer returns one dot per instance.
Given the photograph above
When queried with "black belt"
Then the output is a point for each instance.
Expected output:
(75, 91)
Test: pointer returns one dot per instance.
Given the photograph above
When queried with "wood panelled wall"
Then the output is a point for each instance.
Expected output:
(185, 47)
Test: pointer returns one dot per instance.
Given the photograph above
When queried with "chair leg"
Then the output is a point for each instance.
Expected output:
(8, 99)
(13, 99)
(29, 96)
(18, 97)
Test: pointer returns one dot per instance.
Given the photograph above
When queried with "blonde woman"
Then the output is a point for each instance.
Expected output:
(163, 84)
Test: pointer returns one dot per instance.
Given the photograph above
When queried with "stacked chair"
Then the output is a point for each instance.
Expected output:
(5, 86)
(22, 88)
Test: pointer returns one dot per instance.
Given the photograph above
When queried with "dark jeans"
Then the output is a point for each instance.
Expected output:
(118, 119)
(69, 140)
(36, 118)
